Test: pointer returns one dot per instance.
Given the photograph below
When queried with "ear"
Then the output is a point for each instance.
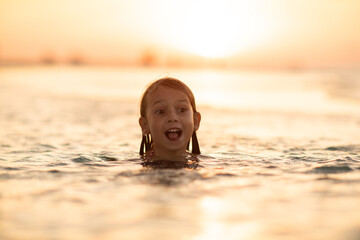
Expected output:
(197, 119)
(144, 125)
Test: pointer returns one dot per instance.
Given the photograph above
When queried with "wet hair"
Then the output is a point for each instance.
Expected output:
(176, 84)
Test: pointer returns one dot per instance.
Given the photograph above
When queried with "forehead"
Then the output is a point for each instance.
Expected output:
(163, 93)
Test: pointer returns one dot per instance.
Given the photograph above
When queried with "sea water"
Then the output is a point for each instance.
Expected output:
(280, 156)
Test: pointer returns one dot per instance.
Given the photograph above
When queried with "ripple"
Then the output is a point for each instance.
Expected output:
(109, 159)
(57, 164)
(225, 175)
(344, 148)
(11, 168)
(165, 177)
(81, 159)
(106, 156)
(331, 169)
(47, 146)
(96, 165)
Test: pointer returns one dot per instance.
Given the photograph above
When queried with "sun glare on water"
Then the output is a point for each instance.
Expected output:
(218, 29)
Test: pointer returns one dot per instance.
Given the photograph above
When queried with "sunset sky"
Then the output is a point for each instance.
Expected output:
(249, 33)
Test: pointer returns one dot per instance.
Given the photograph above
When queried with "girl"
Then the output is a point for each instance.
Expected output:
(168, 120)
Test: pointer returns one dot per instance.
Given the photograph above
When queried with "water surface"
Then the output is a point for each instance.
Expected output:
(281, 157)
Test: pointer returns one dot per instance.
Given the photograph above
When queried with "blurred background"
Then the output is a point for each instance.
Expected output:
(262, 54)
(257, 34)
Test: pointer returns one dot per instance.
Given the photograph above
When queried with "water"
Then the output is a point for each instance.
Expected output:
(281, 157)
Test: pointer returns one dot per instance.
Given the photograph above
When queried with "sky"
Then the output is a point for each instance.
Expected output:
(256, 33)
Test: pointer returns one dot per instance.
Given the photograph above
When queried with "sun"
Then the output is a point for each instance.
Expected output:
(218, 29)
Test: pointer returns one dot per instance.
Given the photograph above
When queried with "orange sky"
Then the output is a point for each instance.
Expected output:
(249, 33)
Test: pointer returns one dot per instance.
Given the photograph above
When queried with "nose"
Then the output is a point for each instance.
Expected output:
(173, 117)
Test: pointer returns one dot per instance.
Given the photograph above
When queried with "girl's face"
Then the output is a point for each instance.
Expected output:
(170, 120)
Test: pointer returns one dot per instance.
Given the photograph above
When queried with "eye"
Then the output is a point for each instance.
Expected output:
(159, 112)
(182, 110)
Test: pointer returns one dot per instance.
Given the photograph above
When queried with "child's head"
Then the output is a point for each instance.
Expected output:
(168, 118)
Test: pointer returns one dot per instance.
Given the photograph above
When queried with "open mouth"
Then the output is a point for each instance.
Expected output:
(173, 134)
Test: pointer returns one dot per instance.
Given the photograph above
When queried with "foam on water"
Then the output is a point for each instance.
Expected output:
(69, 168)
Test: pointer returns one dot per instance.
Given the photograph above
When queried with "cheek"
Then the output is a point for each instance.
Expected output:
(190, 121)
(154, 125)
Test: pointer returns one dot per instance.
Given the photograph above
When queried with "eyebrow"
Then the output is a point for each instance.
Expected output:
(182, 100)
(178, 101)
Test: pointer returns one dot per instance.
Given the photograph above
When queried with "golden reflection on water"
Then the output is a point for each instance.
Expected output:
(212, 209)
(217, 222)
